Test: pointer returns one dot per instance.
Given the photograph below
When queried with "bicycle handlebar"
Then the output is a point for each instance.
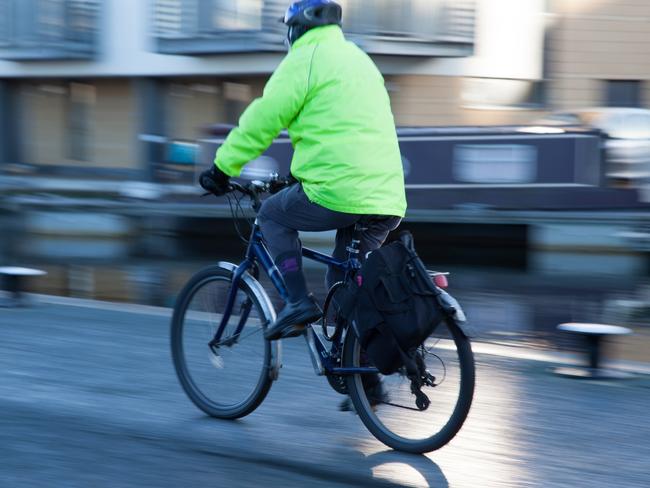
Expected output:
(254, 189)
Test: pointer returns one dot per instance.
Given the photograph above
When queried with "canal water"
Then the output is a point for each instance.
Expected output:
(510, 294)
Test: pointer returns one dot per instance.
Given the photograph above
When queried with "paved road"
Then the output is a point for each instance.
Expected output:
(88, 398)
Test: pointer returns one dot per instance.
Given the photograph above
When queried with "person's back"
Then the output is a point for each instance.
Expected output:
(346, 150)
(332, 99)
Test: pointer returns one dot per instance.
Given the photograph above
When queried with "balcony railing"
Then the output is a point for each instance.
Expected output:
(405, 27)
(48, 29)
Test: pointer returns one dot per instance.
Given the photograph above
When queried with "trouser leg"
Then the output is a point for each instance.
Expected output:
(280, 219)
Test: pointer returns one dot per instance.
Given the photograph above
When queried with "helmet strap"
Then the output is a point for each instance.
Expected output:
(295, 32)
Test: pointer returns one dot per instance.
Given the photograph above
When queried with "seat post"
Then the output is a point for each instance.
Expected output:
(354, 246)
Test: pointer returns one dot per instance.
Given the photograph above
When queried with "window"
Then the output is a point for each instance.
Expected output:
(51, 19)
(167, 17)
(190, 17)
(234, 15)
(623, 93)
(237, 96)
(48, 29)
(80, 100)
(413, 27)
(415, 18)
(420, 19)
(495, 163)
(5, 22)
(81, 18)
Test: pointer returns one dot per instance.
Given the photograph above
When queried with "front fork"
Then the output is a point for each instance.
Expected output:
(247, 305)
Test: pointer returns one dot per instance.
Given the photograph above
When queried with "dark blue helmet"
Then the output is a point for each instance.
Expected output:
(306, 14)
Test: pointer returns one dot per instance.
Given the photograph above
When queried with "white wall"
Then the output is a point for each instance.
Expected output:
(510, 39)
(508, 44)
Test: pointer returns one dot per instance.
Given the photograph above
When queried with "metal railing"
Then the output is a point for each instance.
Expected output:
(221, 25)
(48, 29)
(426, 20)
(183, 18)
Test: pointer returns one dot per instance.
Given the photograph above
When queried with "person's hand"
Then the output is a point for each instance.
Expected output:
(214, 181)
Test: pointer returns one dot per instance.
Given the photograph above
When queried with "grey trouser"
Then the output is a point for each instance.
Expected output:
(289, 211)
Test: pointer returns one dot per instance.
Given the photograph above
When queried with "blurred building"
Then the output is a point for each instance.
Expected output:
(598, 53)
(91, 87)
(117, 89)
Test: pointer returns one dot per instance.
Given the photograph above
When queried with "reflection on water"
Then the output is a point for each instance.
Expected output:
(521, 303)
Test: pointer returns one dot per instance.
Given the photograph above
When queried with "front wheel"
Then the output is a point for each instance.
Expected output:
(389, 410)
(232, 378)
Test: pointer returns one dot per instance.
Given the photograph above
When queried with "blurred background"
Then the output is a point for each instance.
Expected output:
(524, 127)
(525, 143)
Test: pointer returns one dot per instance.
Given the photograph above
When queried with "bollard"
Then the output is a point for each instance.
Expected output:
(13, 278)
(593, 336)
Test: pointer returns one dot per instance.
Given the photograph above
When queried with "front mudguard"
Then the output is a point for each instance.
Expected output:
(267, 309)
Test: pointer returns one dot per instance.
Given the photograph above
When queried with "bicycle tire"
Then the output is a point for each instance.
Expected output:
(352, 357)
(219, 408)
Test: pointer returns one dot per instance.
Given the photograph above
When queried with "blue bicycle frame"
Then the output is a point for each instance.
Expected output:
(256, 252)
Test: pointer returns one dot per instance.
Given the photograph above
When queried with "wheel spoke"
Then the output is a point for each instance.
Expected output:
(238, 337)
(228, 379)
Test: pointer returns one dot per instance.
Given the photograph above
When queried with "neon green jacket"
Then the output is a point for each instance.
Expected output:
(331, 98)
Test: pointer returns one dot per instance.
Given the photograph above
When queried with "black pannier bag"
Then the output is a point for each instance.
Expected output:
(393, 306)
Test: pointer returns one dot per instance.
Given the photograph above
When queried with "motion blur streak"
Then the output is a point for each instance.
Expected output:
(524, 129)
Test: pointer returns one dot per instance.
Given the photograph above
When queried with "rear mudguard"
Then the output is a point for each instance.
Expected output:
(455, 313)
(267, 309)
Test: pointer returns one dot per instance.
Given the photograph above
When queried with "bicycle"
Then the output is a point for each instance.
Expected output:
(217, 328)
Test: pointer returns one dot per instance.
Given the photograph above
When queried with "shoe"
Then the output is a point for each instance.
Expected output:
(294, 317)
(376, 395)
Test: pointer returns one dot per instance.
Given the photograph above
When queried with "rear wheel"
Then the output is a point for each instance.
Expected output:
(390, 412)
(230, 380)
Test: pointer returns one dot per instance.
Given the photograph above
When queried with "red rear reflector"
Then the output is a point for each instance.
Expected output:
(441, 281)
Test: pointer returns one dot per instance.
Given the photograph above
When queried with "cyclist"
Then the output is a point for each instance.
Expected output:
(332, 99)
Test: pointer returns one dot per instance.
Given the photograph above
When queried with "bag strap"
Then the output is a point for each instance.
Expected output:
(411, 366)
(414, 263)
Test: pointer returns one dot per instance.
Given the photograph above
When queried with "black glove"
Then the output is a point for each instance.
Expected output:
(214, 181)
